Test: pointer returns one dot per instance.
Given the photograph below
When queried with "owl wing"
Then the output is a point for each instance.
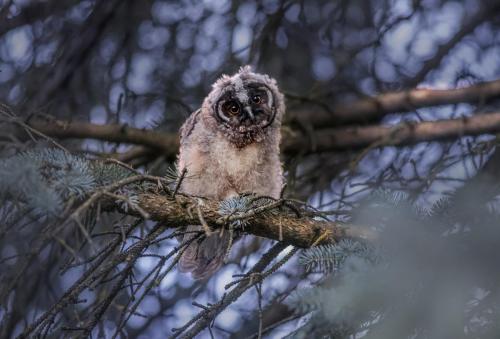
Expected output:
(188, 126)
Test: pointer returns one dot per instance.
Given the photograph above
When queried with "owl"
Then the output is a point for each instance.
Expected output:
(228, 147)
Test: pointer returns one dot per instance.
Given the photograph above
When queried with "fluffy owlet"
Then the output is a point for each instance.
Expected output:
(230, 146)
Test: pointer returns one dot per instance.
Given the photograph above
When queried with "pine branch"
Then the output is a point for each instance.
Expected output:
(91, 183)
(298, 231)
(253, 277)
(329, 257)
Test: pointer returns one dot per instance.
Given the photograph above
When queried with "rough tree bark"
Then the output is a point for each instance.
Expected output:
(299, 231)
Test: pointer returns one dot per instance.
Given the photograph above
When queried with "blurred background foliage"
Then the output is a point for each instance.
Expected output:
(149, 64)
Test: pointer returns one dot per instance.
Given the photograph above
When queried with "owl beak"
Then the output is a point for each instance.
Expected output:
(248, 111)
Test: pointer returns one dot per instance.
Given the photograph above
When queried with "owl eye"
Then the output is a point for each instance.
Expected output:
(232, 107)
(256, 99)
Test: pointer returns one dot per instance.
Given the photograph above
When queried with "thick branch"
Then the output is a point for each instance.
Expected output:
(323, 139)
(300, 232)
(167, 143)
(294, 142)
(402, 134)
(393, 102)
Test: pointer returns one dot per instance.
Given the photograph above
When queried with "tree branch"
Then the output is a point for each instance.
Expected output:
(166, 143)
(402, 134)
(476, 20)
(33, 12)
(371, 108)
(294, 142)
(77, 50)
(324, 139)
(297, 231)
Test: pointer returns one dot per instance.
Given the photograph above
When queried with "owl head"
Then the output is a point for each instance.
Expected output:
(246, 106)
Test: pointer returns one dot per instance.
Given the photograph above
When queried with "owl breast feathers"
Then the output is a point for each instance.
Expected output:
(228, 147)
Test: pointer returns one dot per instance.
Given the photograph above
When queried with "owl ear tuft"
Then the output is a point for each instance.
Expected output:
(222, 81)
(245, 69)
(224, 78)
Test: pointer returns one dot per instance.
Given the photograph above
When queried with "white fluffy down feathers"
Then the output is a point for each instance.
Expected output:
(222, 162)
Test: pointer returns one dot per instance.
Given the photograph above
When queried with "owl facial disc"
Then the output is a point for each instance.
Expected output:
(245, 105)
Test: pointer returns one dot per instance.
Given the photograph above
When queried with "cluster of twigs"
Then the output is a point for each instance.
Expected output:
(109, 268)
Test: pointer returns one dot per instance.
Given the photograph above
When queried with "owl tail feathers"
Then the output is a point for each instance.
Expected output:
(204, 258)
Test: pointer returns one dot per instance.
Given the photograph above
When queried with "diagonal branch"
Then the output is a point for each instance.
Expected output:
(77, 50)
(335, 139)
(371, 108)
(33, 12)
(481, 17)
(254, 276)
